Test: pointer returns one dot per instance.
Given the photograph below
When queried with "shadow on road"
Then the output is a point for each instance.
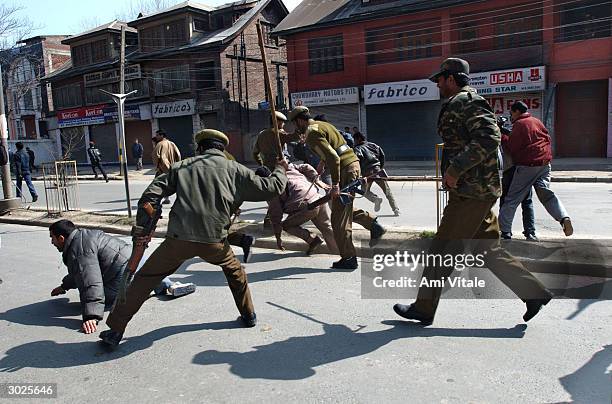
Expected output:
(52, 355)
(48, 313)
(591, 383)
(297, 357)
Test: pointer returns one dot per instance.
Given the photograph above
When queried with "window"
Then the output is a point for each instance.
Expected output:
(326, 54)
(584, 20)
(171, 80)
(28, 103)
(205, 75)
(16, 105)
(81, 55)
(201, 25)
(519, 29)
(219, 23)
(167, 35)
(175, 33)
(151, 39)
(99, 51)
(67, 96)
(266, 31)
(19, 129)
(468, 35)
(403, 42)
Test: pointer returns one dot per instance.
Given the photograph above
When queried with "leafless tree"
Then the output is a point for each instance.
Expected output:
(87, 23)
(132, 9)
(13, 27)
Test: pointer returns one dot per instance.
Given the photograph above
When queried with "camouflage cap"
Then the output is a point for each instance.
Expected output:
(450, 66)
(280, 116)
(297, 111)
(211, 134)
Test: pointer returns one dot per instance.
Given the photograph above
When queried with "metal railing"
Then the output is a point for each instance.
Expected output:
(441, 193)
(61, 186)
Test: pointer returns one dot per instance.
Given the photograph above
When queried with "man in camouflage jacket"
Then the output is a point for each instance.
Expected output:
(471, 175)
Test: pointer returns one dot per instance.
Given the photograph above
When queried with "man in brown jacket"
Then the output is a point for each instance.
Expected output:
(164, 154)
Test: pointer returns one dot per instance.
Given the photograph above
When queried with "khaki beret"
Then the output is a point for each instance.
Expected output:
(297, 111)
(211, 134)
(280, 116)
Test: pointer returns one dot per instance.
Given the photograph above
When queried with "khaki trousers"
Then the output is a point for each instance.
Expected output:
(320, 218)
(342, 217)
(472, 221)
(165, 260)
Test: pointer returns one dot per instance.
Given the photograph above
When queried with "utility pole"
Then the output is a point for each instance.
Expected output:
(9, 202)
(120, 101)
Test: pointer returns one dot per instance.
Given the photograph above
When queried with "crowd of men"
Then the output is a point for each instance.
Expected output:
(211, 187)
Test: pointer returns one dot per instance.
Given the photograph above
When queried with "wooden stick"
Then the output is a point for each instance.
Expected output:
(269, 89)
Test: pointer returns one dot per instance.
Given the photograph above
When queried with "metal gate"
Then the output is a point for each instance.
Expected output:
(61, 186)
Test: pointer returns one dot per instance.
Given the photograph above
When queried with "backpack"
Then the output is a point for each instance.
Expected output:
(3, 156)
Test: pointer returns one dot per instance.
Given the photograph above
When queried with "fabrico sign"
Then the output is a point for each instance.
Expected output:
(81, 116)
(170, 109)
(509, 81)
(334, 96)
(400, 91)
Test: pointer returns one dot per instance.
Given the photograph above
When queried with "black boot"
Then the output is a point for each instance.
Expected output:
(534, 306)
(410, 313)
(111, 338)
(377, 230)
(346, 263)
(249, 320)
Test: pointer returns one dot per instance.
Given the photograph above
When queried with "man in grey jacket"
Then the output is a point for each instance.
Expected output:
(96, 262)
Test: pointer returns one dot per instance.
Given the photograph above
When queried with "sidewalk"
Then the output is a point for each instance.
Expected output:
(587, 170)
(557, 256)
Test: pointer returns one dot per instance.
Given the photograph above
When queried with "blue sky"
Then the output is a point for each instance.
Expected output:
(74, 16)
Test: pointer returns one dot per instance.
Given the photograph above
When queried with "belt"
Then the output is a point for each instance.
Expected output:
(342, 149)
(538, 163)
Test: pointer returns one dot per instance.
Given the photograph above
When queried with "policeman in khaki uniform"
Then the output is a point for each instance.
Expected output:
(209, 188)
(265, 151)
(471, 175)
(325, 140)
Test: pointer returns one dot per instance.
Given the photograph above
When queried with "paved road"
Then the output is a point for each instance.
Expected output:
(346, 350)
(590, 206)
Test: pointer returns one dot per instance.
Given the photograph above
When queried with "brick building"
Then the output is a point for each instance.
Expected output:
(28, 101)
(365, 62)
(193, 66)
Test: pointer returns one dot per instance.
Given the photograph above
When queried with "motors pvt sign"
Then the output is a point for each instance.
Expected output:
(170, 109)
(81, 116)
(509, 81)
(334, 96)
(400, 91)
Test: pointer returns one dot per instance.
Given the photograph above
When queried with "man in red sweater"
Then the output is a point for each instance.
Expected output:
(530, 149)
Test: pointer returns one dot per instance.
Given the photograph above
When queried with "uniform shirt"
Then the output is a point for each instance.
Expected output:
(471, 140)
(265, 151)
(324, 139)
(164, 155)
(298, 192)
(209, 188)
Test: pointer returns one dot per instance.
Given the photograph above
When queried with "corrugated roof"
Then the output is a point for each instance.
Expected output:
(312, 14)
(114, 25)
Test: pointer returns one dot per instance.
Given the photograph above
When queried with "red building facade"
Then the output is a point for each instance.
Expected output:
(553, 54)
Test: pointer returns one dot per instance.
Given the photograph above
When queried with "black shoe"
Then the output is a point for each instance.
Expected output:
(111, 338)
(34, 198)
(410, 313)
(377, 203)
(314, 244)
(376, 231)
(106, 179)
(247, 242)
(533, 307)
(346, 263)
(249, 320)
(531, 237)
(506, 236)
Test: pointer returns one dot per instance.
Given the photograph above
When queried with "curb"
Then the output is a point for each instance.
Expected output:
(532, 255)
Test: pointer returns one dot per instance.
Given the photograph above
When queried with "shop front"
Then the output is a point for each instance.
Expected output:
(176, 118)
(339, 105)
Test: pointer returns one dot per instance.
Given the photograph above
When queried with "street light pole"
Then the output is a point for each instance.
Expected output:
(120, 101)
